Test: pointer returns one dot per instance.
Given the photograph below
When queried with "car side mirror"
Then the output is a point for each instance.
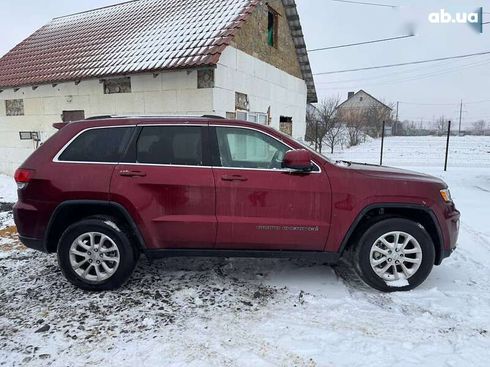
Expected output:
(298, 160)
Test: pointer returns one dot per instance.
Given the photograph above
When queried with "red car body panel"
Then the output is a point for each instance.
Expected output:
(272, 210)
(174, 207)
(220, 208)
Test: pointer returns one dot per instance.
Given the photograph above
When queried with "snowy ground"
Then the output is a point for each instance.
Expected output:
(219, 312)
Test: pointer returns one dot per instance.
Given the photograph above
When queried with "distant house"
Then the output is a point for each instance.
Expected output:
(363, 108)
(361, 102)
(243, 59)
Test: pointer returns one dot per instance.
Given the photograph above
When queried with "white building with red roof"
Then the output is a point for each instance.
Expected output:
(243, 59)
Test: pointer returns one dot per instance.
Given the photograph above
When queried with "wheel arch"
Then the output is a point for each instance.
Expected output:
(71, 211)
(376, 212)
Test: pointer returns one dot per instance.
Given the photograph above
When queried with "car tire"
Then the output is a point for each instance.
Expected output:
(96, 255)
(394, 255)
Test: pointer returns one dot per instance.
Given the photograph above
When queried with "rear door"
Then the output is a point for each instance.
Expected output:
(168, 187)
(259, 205)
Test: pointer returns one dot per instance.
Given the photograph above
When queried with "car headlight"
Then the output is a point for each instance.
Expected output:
(446, 195)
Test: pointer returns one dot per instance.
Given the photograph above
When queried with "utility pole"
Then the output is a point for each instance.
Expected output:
(382, 144)
(460, 116)
(396, 120)
(447, 145)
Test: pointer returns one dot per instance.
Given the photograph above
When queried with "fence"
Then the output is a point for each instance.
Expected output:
(439, 151)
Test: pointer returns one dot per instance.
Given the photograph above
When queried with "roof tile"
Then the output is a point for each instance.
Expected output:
(136, 36)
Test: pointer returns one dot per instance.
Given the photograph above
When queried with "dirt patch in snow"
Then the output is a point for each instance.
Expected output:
(38, 306)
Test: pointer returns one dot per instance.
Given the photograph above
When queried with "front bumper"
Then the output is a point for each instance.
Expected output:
(450, 228)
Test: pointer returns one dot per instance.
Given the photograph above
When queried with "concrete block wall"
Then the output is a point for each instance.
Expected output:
(171, 93)
(164, 93)
(265, 85)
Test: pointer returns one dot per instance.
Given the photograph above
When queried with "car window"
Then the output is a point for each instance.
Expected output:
(104, 145)
(172, 145)
(244, 148)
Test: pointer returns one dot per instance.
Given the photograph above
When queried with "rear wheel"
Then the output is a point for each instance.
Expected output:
(395, 255)
(96, 255)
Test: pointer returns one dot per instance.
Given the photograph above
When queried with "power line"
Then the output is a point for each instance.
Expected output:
(404, 63)
(412, 78)
(444, 104)
(361, 43)
(410, 71)
(429, 104)
(366, 3)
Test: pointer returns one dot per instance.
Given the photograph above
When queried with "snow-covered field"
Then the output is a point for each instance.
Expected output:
(220, 312)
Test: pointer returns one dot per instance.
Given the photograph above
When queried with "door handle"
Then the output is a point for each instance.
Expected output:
(127, 173)
(234, 178)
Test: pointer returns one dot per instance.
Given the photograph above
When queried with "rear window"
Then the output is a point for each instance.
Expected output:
(171, 145)
(98, 145)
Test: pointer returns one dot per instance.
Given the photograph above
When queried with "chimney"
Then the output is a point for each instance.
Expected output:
(350, 95)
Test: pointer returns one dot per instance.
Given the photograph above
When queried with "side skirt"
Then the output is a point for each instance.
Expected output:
(328, 257)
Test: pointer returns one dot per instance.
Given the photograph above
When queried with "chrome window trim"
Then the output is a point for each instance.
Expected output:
(62, 150)
(271, 136)
(56, 158)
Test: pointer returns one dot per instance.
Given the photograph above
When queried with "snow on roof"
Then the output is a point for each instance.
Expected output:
(132, 37)
(136, 36)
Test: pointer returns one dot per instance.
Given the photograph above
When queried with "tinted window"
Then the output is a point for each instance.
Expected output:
(243, 148)
(98, 145)
(178, 145)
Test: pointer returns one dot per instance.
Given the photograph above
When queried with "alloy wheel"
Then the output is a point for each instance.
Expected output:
(395, 256)
(94, 257)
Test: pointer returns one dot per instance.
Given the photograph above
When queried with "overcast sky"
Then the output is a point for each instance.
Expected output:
(425, 91)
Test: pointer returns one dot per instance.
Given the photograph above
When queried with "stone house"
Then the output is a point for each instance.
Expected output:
(243, 59)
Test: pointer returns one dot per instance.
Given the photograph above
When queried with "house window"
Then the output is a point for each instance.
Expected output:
(272, 27)
(286, 125)
(14, 107)
(257, 117)
(241, 101)
(76, 115)
(242, 115)
(205, 78)
(361, 99)
(119, 85)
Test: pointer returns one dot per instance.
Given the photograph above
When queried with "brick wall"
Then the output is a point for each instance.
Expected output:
(252, 39)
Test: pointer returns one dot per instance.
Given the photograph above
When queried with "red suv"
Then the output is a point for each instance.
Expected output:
(102, 191)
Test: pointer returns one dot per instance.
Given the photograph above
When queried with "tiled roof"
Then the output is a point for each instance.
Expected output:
(136, 36)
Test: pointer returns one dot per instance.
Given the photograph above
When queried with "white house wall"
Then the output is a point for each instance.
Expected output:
(171, 93)
(168, 93)
(265, 85)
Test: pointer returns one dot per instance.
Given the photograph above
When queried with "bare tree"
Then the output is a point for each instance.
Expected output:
(354, 122)
(479, 127)
(374, 117)
(335, 135)
(322, 122)
(441, 125)
(312, 125)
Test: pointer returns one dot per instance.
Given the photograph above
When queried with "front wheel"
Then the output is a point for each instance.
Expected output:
(395, 255)
(96, 255)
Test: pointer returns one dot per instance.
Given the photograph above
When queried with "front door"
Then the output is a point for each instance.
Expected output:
(260, 206)
(168, 188)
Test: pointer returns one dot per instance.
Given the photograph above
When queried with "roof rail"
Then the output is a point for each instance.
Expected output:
(155, 116)
(213, 117)
(99, 117)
